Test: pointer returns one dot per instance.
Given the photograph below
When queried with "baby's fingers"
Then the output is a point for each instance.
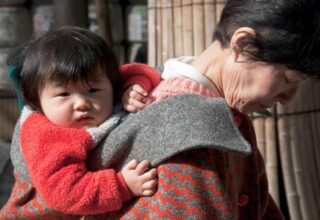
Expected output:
(142, 167)
(138, 103)
(139, 89)
(130, 108)
(131, 165)
(148, 192)
(150, 185)
(150, 175)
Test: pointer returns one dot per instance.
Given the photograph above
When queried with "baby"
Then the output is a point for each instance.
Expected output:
(69, 83)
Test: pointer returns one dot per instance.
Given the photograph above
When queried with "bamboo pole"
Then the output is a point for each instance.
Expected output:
(303, 101)
(187, 28)
(314, 153)
(299, 143)
(302, 153)
(259, 128)
(219, 6)
(316, 91)
(177, 23)
(164, 31)
(281, 109)
(316, 130)
(309, 166)
(159, 33)
(152, 33)
(305, 137)
(309, 148)
(167, 30)
(209, 20)
(315, 85)
(292, 195)
(198, 27)
(271, 158)
(316, 141)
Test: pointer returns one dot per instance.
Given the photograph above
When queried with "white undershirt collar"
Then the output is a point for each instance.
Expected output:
(180, 67)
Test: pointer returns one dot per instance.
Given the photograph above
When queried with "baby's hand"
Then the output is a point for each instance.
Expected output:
(135, 98)
(140, 180)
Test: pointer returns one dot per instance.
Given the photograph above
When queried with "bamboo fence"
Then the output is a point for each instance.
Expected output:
(299, 125)
(288, 137)
(180, 27)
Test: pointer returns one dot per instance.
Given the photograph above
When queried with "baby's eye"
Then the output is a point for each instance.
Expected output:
(63, 94)
(93, 90)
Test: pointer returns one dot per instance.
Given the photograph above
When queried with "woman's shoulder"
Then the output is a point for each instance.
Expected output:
(178, 86)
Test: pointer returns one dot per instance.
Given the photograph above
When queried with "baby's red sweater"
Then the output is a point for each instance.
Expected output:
(56, 157)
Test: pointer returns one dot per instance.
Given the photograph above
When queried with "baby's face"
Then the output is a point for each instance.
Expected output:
(77, 104)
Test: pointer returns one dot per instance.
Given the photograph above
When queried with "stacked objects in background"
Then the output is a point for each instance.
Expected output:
(137, 26)
(42, 16)
(116, 23)
(287, 137)
(128, 27)
(15, 27)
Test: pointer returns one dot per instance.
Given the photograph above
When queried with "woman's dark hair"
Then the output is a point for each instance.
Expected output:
(287, 31)
(68, 53)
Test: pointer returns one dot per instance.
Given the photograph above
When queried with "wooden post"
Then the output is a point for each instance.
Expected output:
(152, 34)
(15, 26)
(272, 159)
(187, 27)
(219, 6)
(103, 20)
(285, 147)
(159, 32)
(258, 123)
(209, 20)
(71, 13)
(167, 30)
(198, 27)
(177, 26)
(6, 3)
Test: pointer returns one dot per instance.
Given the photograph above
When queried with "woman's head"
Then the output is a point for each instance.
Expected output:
(65, 55)
(263, 50)
(286, 32)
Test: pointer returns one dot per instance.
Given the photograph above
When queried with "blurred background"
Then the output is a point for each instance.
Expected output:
(151, 31)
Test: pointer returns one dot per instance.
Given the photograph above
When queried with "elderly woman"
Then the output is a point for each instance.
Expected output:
(199, 135)
(261, 52)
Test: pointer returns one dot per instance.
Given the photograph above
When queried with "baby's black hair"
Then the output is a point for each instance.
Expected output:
(63, 55)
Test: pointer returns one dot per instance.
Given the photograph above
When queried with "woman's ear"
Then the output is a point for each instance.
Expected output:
(238, 39)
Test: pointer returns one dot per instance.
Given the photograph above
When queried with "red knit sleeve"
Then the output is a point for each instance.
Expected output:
(139, 73)
(55, 158)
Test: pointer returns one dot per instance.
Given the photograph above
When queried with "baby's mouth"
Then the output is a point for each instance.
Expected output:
(85, 117)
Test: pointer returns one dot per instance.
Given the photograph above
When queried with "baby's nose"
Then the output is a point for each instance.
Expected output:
(82, 104)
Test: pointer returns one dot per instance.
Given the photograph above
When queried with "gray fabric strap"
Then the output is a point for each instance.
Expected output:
(160, 131)
(171, 126)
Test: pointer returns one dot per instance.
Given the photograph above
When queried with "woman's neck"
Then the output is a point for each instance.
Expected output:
(211, 64)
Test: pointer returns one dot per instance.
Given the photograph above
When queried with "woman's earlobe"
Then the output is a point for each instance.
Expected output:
(236, 52)
(236, 48)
